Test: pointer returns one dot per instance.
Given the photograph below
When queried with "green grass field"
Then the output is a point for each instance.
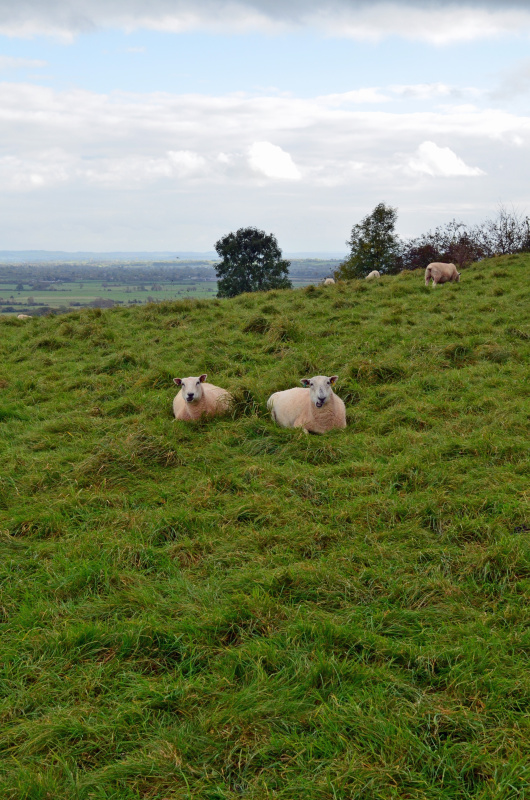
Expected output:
(89, 290)
(232, 610)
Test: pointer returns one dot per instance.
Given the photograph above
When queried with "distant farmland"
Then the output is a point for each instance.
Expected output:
(63, 287)
(74, 294)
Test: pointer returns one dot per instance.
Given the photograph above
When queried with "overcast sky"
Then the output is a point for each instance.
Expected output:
(163, 125)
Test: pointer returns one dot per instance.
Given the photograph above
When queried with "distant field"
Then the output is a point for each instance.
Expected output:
(70, 294)
(74, 293)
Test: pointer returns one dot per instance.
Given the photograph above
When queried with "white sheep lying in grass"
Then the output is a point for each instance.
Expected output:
(441, 273)
(316, 408)
(373, 274)
(329, 282)
(23, 316)
(197, 398)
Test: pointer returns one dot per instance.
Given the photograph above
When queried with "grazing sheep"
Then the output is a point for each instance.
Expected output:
(373, 274)
(23, 316)
(197, 398)
(328, 282)
(316, 408)
(441, 273)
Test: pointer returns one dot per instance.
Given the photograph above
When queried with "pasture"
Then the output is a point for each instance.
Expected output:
(35, 289)
(233, 610)
(89, 290)
(76, 295)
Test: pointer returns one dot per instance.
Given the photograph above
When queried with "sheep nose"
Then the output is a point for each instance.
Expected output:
(190, 396)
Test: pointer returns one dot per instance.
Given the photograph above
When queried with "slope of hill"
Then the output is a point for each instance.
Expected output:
(234, 610)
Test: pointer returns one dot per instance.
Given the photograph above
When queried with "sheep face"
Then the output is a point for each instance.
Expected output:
(319, 388)
(191, 388)
(457, 279)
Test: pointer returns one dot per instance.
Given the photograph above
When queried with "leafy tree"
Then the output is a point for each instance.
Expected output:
(455, 242)
(419, 253)
(450, 243)
(251, 262)
(373, 244)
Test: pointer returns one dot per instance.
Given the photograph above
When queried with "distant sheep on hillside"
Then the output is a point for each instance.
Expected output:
(316, 408)
(23, 316)
(441, 273)
(373, 274)
(198, 398)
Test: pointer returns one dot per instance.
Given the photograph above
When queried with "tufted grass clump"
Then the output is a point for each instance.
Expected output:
(231, 609)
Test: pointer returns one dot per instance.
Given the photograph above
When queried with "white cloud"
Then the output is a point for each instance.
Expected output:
(185, 162)
(137, 137)
(441, 162)
(22, 174)
(440, 23)
(422, 91)
(434, 91)
(12, 63)
(358, 96)
(81, 169)
(273, 162)
(130, 139)
(137, 169)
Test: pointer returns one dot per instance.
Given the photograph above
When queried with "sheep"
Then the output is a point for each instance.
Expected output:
(329, 282)
(23, 316)
(441, 273)
(197, 398)
(373, 274)
(316, 408)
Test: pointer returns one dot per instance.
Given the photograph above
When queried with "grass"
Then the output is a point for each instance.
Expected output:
(234, 610)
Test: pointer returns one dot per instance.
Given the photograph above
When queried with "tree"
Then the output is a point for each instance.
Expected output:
(373, 245)
(251, 262)
(455, 242)
(508, 233)
(450, 243)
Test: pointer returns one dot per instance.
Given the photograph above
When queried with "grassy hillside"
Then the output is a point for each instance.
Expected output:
(233, 610)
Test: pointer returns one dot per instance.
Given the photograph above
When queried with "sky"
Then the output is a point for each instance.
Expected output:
(164, 125)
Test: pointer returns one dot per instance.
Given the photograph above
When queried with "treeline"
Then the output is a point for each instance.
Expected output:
(374, 244)
(507, 233)
(40, 277)
(113, 274)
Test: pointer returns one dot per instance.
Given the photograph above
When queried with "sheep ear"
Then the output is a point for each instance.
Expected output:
(202, 378)
(333, 379)
(305, 382)
(178, 381)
